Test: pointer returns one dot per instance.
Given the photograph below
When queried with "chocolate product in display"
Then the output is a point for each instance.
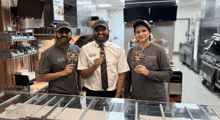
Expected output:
(137, 56)
(72, 56)
(102, 53)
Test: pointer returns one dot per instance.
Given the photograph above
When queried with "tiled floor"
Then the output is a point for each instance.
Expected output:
(193, 90)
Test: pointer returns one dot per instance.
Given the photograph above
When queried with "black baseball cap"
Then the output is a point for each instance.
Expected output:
(142, 22)
(63, 25)
(100, 22)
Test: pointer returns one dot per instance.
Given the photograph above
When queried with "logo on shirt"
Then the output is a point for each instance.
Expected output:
(137, 56)
(72, 56)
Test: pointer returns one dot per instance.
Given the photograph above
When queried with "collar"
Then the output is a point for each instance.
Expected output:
(138, 47)
(58, 47)
(105, 44)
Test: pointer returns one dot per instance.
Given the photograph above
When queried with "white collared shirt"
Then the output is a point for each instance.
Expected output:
(116, 64)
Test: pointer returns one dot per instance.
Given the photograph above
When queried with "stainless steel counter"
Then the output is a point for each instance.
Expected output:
(25, 105)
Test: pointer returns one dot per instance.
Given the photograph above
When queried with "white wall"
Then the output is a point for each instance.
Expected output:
(191, 12)
(116, 25)
(115, 19)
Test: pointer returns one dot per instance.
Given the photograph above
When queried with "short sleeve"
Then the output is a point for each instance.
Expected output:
(44, 65)
(82, 61)
(77, 49)
(122, 62)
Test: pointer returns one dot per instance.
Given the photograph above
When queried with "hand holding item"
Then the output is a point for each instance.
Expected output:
(141, 69)
(98, 62)
(72, 56)
(102, 54)
(68, 69)
(137, 56)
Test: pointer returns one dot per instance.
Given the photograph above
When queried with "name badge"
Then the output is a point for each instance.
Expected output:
(151, 57)
(92, 55)
(60, 59)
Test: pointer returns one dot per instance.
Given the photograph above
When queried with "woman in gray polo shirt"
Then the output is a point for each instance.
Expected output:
(149, 67)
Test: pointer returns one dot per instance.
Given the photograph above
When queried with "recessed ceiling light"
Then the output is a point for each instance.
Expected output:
(104, 5)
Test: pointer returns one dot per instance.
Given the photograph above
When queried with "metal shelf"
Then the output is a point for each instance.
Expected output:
(19, 56)
(13, 37)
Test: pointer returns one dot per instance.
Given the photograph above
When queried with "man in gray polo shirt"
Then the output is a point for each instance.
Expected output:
(58, 63)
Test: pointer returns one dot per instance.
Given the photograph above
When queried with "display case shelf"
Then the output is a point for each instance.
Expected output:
(42, 106)
(16, 37)
(20, 56)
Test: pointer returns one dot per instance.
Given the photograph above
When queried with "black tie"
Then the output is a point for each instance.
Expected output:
(104, 75)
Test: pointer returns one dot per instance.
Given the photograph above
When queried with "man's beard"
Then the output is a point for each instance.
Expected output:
(63, 40)
(101, 40)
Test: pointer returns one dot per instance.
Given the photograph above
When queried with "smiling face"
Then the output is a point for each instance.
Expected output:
(63, 36)
(101, 34)
(142, 34)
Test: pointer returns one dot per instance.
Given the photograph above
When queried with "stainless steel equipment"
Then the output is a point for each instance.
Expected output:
(16, 53)
(23, 105)
(186, 53)
(211, 62)
(204, 29)
(11, 53)
(217, 81)
(13, 37)
(77, 13)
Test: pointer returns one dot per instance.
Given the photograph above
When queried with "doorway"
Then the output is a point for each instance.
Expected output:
(182, 26)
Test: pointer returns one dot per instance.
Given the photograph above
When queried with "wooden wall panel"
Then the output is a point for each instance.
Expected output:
(26, 62)
(36, 62)
(9, 80)
(1, 22)
(18, 64)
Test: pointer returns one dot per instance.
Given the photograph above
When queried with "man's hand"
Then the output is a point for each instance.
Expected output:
(141, 69)
(86, 73)
(98, 62)
(69, 69)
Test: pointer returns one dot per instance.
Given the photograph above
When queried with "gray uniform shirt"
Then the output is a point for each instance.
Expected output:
(151, 87)
(54, 59)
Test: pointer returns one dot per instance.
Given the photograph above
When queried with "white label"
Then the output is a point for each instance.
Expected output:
(189, 106)
(117, 100)
(116, 116)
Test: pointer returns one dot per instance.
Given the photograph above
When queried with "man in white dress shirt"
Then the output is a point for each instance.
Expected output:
(102, 64)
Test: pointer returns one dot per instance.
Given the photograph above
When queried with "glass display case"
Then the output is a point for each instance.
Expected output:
(25, 105)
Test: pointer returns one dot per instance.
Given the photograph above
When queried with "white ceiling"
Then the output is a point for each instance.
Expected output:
(189, 2)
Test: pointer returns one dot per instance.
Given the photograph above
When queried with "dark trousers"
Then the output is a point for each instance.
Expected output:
(100, 93)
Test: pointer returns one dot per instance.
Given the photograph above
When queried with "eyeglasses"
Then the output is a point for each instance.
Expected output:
(62, 31)
(100, 28)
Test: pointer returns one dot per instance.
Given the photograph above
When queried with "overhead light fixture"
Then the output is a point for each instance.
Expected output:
(104, 5)
(177, 1)
(122, 1)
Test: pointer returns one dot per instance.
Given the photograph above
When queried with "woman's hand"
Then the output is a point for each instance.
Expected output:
(141, 69)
